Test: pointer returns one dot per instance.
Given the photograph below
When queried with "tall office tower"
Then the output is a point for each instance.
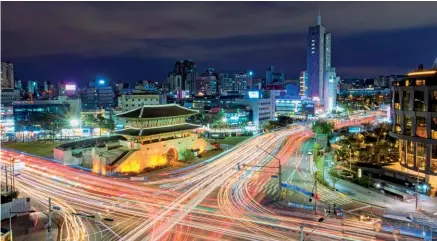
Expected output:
(183, 76)
(7, 72)
(318, 59)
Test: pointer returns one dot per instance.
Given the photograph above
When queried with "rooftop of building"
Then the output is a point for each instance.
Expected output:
(157, 111)
(143, 93)
(423, 73)
(9, 90)
(157, 130)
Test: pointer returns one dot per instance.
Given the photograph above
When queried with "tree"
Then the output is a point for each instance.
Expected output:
(91, 122)
(284, 120)
(334, 176)
(109, 124)
(341, 154)
(188, 156)
(322, 127)
(218, 120)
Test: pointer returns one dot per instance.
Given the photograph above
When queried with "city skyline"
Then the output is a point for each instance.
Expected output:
(122, 43)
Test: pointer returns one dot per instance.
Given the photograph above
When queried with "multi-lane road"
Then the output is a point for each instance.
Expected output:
(215, 201)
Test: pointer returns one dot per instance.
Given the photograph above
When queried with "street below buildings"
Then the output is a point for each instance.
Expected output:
(233, 197)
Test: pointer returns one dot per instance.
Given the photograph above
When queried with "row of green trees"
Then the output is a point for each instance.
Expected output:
(282, 121)
(52, 124)
(98, 122)
(373, 146)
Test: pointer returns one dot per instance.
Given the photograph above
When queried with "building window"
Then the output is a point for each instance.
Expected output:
(419, 101)
(397, 101)
(433, 100)
(434, 159)
(434, 128)
(410, 153)
(421, 127)
(402, 146)
(406, 101)
(420, 82)
(408, 125)
(398, 124)
(420, 156)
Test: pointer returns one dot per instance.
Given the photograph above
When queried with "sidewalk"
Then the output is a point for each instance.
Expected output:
(30, 227)
(429, 204)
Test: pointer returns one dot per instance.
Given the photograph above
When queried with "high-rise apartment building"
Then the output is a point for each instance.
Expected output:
(303, 79)
(18, 85)
(99, 95)
(32, 87)
(7, 72)
(243, 81)
(206, 83)
(183, 76)
(318, 59)
(226, 83)
(274, 77)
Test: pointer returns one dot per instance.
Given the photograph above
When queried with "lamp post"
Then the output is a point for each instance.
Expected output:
(74, 123)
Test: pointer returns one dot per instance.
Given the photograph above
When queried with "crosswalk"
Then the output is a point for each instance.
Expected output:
(269, 188)
(330, 197)
(326, 196)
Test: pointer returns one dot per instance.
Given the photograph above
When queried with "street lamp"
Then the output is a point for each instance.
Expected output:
(74, 122)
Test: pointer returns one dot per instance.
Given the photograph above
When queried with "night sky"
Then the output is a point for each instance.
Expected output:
(134, 41)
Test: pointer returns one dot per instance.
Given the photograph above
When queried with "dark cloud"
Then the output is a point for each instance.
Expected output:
(206, 31)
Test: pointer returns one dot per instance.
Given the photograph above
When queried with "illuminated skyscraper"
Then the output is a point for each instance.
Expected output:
(318, 59)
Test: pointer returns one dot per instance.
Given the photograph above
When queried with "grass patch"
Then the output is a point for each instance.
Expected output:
(38, 148)
(233, 140)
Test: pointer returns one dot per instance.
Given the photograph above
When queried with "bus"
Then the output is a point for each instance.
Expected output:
(405, 224)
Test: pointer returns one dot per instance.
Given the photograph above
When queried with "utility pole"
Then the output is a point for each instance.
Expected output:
(6, 171)
(417, 191)
(301, 233)
(279, 169)
(315, 195)
(10, 224)
(49, 228)
(13, 174)
(417, 201)
(350, 159)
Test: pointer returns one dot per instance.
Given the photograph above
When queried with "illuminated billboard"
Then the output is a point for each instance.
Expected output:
(253, 94)
(70, 87)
